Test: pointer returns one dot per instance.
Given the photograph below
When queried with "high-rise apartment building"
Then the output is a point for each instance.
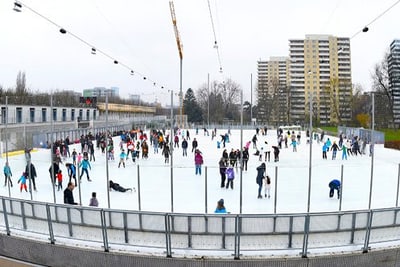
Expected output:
(320, 73)
(272, 91)
(394, 79)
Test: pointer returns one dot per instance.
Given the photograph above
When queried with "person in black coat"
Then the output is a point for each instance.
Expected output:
(260, 176)
(222, 169)
(245, 157)
(68, 196)
(53, 170)
(118, 188)
(31, 172)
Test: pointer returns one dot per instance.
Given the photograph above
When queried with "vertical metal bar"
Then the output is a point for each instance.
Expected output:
(104, 230)
(353, 227)
(367, 232)
(276, 189)
(306, 233)
(275, 195)
(69, 222)
(52, 157)
(139, 191)
(107, 173)
(237, 237)
(23, 215)
(373, 152)
(398, 185)
(341, 188)
(51, 233)
(205, 190)
(189, 231)
(241, 152)
(171, 146)
(5, 213)
(223, 233)
(167, 236)
(125, 219)
(290, 233)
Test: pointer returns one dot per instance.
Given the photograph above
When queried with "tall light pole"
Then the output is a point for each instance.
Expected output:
(251, 98)
(107, 173)
(310, 155)
(208, 100)
(52, 158)
(373, 148)
(171, 149)
(5, 135)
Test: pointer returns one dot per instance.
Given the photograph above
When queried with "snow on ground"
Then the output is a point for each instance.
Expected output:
(189, 189)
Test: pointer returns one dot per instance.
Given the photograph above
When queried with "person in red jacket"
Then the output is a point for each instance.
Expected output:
(198, 161)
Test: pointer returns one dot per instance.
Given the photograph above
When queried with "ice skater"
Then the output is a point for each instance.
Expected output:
(334, 185)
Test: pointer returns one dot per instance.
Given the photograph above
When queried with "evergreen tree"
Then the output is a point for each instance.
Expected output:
(191, 107)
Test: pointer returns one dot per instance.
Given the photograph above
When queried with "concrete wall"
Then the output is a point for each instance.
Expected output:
(57, 255)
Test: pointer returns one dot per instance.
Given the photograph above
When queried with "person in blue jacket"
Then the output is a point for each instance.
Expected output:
(85, 166)
(220, 206)
(334, 185)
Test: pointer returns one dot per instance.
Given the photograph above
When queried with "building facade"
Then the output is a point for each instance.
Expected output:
(273, 91)
(320, 77)
(316, 78)
(394, 79)
(101, 92)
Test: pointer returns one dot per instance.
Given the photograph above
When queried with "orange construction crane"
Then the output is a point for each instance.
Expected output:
(179, 44)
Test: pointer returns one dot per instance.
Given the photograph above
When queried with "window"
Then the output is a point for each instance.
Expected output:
(19, 115)
(80, 114)
(88, 114)
(44, 114)
(3, 115)
(32, 114)
(54, 114)
(72, 114)
(64, 114)
(94, 114)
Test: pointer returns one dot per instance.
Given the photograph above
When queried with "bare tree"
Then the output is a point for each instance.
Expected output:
(380, 79)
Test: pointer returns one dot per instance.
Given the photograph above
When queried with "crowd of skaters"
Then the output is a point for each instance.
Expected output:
(135, 144)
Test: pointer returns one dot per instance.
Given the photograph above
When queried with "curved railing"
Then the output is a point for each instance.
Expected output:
(200, 234)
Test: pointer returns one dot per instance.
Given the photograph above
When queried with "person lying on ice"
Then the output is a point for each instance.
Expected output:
(119, 188)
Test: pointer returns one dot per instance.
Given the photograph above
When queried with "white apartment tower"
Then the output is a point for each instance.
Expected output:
(394, 79)
(320, 73)
(272, 91)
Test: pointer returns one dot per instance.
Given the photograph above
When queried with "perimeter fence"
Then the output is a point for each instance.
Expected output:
(227, 235)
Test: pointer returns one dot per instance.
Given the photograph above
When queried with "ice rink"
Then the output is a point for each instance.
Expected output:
(289, 193)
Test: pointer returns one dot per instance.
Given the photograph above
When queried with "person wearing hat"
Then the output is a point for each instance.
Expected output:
(220, 206)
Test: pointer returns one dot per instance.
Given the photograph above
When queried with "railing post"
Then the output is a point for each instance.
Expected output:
(168, 236)
(139, 197)
(305, 238)
(104, 230)
(51, 233)
(237, 237)
(205, 190)
(367, 232)
(5, 216)
(125, 218)
(23, 215)
(69, 221)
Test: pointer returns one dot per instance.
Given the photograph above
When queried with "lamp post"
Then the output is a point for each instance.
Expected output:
(241, 151)
(5, 135)
(373, 152)
(310, 154)
(107, 173)
(52, 158)
(171, 149)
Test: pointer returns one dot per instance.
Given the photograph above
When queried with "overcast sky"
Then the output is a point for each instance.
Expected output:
(140, 35)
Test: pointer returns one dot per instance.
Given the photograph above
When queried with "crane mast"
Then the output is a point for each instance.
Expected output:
(179, 44)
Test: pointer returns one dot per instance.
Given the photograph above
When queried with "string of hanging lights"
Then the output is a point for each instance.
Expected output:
(94, 50)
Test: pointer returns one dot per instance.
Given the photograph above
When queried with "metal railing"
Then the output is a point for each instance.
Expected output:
(180, 234)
